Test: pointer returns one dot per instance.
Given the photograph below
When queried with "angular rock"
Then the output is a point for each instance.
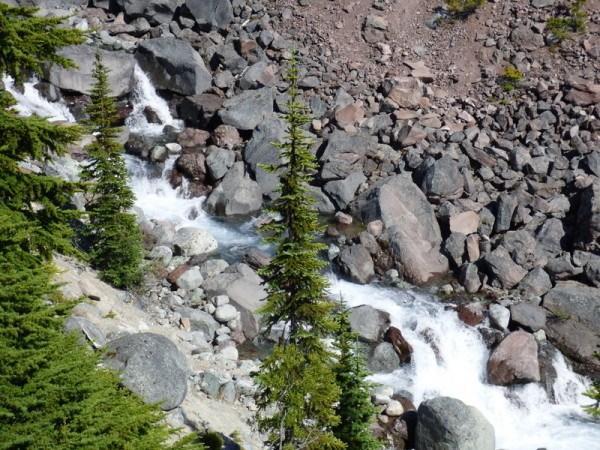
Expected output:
(261, 150)
(507, 203)
(235, 195)
(210, 13)
(342, 191)
(515, 360)
(80, 79)
(442, 180)
(88, 330)
(466, 222)
(575, 300)
(190, 241)
(151, 366)
(201, 321)
(190, 279)
(356, 262)
(499, 316)
(369, 323)
(536, 283)
(173, 65)
(528, 316)
(384, 359)
(500, 266)
(448, 424)
(155, 11)
(219, 161)
(414, 233)
(401, 346)
(248, 109)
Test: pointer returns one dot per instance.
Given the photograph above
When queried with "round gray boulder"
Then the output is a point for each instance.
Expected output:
(151, 366)
(448, 424)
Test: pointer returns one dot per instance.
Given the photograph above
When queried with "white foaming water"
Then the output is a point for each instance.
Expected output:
(31, 102)
(144, 95)
(159, 200)
(450, 359)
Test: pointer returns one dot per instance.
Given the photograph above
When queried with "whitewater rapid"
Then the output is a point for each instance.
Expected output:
(523, 417)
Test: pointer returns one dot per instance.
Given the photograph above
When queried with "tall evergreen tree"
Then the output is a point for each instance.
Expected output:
(355, 410)
(297, 389)
(51, 394)
(116, 240)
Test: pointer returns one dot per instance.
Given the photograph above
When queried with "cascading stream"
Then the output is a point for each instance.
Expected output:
(523, 416)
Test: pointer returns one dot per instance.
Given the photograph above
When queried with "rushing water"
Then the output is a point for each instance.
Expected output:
(449, 357)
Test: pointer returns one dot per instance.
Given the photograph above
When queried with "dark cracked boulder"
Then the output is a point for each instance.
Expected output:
(261, 150)
(441, 179)
(151, 366)
(155, 11)
(448, 424)
(210, 13)
(237, 194)
(357, 264)
(369, 323)
(248, 109)
(80, 79)
(413, 230)
(173, 64)
(575, 327)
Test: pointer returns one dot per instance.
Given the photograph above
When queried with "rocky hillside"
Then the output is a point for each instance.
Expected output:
(437, 169)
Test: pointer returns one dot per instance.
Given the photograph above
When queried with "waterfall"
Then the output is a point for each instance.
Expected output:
(450, 359)
(144, 95)
(31, 102)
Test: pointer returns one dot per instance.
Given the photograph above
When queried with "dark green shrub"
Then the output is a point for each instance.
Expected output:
(462, 8)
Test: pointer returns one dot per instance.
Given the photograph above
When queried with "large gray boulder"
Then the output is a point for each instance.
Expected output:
(245, 292)
(173, 64)
(356, 263)
(369, 323)
(588, 217)
(441, 179)
(410, 222)
(342, 191)
(190, 241)
(515, 360)
(261, 150)
(155, 11)
(210, 13)
(235, 195)
(501, 267)
(384, 359)
(345, 154)
(575, 329)
(575, 300)
(151, 366)
(248, 109)
(448, 424)
(80, 79)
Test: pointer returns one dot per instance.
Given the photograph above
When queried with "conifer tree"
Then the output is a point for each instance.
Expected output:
(52, 396)
(594, 394)
(116, 241)
(355, 410)
(297, 390)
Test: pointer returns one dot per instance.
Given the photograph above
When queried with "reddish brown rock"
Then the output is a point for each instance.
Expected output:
(471, 313)
(174, 275)
(226, 136)
(515, 360)
(192, 137)
(401, 346)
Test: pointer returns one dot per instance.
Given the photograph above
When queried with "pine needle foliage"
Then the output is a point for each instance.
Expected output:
(52, 394)
(355, 410)
(297, 390)
(594, 394)
(116, 240)
(27, 41)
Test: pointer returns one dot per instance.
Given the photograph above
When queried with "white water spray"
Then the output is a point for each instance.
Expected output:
(31, 102)
(144, 95)
(450, 359)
